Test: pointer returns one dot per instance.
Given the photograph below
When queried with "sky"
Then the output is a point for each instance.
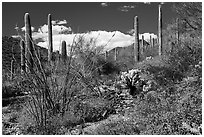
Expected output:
(99, 18)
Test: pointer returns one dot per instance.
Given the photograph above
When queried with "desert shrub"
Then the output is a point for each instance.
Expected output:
(108, 67)
(168, 111)
(118, 127)
(185, 56)
(11, 87)
(159, 70)
(87, 110)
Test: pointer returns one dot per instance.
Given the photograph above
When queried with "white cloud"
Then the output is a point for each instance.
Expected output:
(23, 28)
(59, 22)
(107, 39)
(104, 4)
(103, 38)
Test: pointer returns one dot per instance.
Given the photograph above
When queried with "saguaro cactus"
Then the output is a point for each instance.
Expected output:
(28, 42)
(22, 45)
(160, 30)
(50, 46)
(64, 51)
(136, 44)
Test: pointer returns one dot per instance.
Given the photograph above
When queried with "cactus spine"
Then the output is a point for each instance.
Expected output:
(136, 44)
(64, 51)
(160, 30)
(22, 45)
(28, 42)
(50, 46)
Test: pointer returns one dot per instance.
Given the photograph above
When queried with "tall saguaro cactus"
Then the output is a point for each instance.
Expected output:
(64, 51)
(160, 30)
(50, 46)
(136, 44)
(22, 45)
(28, 42)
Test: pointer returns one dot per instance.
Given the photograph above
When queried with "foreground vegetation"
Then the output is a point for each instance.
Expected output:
(90, 95)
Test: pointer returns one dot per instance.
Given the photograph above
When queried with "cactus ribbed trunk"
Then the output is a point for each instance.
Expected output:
(64, 51)
(50, 46)
(150, 41)
(28, 42)
(160, 30)
(23, 67)
(136, 44)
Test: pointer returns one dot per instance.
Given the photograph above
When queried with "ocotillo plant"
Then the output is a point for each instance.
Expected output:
(136, 44)
(28, 42)
(64, 51)
(22, 45)
(39, 53)
(160, 30)
(50, 46)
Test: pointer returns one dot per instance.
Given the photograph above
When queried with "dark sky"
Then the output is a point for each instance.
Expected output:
(85, 16)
